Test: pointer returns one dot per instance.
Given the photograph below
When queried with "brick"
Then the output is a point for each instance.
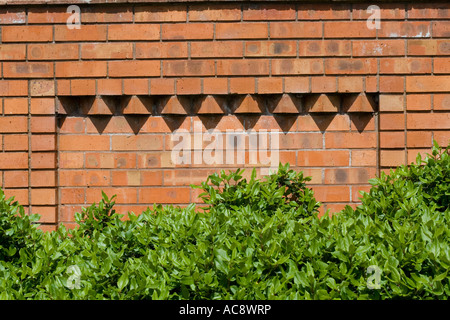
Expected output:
(12, 52)
(100, 160)
(110, 50)
(64, 87)
(75, 69)
(391, 102)
(71, 160)
(162, 86)
(20, 195)
(41, 15)
(428, 47)
(13, 124)
(178, 68)
(243, 30)
(331, 193)
(43, 124)
(15, 179)
(27, 70)
(174, 105)
(323, 48)
(348, 175)
(323, 158)
(419, 139)
(270, 85)
(392, 158)
(43, 196)
(109, 87)
(43, 160)
(392, 121)
(53, 51)
(297, 66)
(160, 13)
(82, 87)
(296, 85)
(350, 84)
(12, 88)
(164, 195)
(364, 158)
(136, 143)
(358, 103)
(356, 191)
(133, 32)
(15, 106)
(115, 14)
(405, 65)
(135, 86)
(217, 49)
(392, 84)
(356, 140)
(189, 31)
(288, 30)
(371, 83)
(162, 50)
(428, 120)
(440, 101)
(74, 178)
(269, 12)
(394, 139)
(441, 65)
(318, 11)
(72, 195)
(301, 141)
(322, 103)
(428, 83)
(189, 86)
(323, 84)
(322, 122)
(27, 33)
(42, 178)
(42, 88)
(348, 29)
(215, 86)
(243, 67)
(218, 12)
(441, 29)
(405, 29)
(135, 68)
(47, 215)
(418, 102)
(442, 138)
(137, 178)
(350, 66)
(124, 195)
(362, 121)
(242, 85)
(388, 11)
(12, 16)
(369, 48)
(270, 49)
(15, 142)
(13, 160)
(423, 11)
(94, 32)
(83, 142)
(43, 142)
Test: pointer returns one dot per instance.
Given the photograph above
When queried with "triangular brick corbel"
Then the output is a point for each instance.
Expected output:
(322, 103)
(249, 104)
(210, 105)
(287, 103)
(173, 105)
(358, 103)
(95, 106)
(137, 105)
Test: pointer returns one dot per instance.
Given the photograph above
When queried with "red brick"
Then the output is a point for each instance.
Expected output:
(348, 29)
(418, 102)
(296, 84)
(164, 195)
(42, 178)
(419, 139)
(270, 49)
(162, 86)
(45, 16)
(82, 87)
(189, 86)
(13, 160)
(15, 106)
(405, 65)
(440, 101)
(12, 16)
(27, 33)
(331, 193)
(350, 66)
(12, 52)
(394, 139)
(74, 178)
(370, 48)
(441, 29)
(15, 142)
(110, 50)
(371, 83)
(64, 87)
(53, 51)
(392, 158)
(136, 143)
(243, 67)
(43, 142)
(428, 47)
(297, 66)
(428, 83)
(323, 84)
(215, 86)
(72, 195)
(134, 68)
(20, 195)
(441, 65)
(83, 142)
(322, 48)
(43, 124)
(102, 14)
(91, 32)
(424, 11)
(270, 85)
(392, 84)
(72, 69)
(323, 158)
(350, 84)
(43, 160)
(242, 85)
(321, 122)
(27, 69)
(318, 11)
(161, 50)
(349, 175)
(180, 68)
(123, 195)
(71, 160)
(137, 178)
(428, 120)
(216, 49)
(344, 140)
(109, 87)
(269, 12)
(133, 32)
(158, 13)
(15, 179)
(135, 86)
(388, 11)
(363, 158)
(392, 121)
(294, 30)
(43, 196)
(218, 12)
(362, 121)
(47, 215)
(391, 102)
(442, 138)
(42, 88)
(405, 29)
(190, 31)
(13, 124)
(245, 30)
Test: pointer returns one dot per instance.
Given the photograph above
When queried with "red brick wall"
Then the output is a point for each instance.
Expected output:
(91, 109)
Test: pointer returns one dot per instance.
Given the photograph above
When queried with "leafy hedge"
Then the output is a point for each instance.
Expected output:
(256, 239)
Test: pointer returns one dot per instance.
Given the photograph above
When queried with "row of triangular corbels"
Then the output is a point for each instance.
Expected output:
(216, 104)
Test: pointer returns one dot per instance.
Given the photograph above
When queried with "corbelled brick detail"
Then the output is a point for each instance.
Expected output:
(95, 108)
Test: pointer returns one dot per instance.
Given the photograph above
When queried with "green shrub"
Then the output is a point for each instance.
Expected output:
(256, 239)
